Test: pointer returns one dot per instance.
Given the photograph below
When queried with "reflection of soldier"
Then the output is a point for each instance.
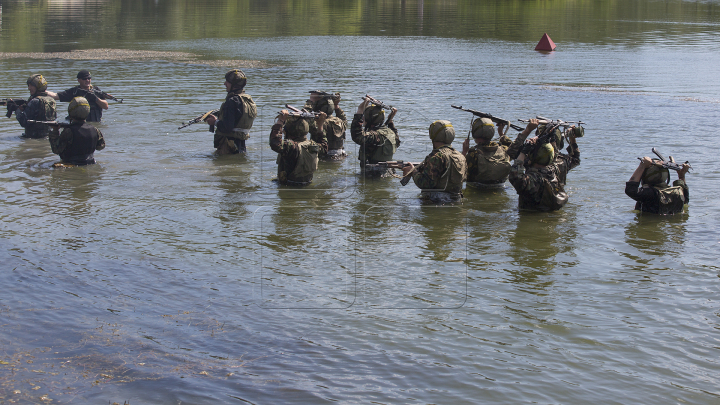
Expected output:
(76, 144)
(541, 187)
(236, 116)
(655, 196)
(40, 107)
(335, 127)
(441, 174)
(489, 162)
(297, 156)
(84, 89)
(378, 142)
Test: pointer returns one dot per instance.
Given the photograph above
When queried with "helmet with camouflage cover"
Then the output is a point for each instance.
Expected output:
(442, 131)
(655, 174)
(37, 81)
(237, 78)
(324, 104)
(483, 128)
(544, 155)
(296, 128)
(374, 116)
(79, 108)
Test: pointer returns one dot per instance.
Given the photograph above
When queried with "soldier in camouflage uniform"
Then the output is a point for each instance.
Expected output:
(441, 174)
(489, 162)
(76, 144)
(541, 186)
(378, 142)
(334, 129)
(649, 186)
(297, 156)
(39, 107)
(237, 113)
(85, 90)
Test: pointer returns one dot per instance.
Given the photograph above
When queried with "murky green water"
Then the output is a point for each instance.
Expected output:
(167, 275)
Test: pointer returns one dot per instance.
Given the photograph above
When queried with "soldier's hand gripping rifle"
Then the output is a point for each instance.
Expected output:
(296, 112)
(58, 124)
(395, 164)
(199, 118)
(107, 96)
(492, 118)
(382, 105)
(668, 163)
(12, 104)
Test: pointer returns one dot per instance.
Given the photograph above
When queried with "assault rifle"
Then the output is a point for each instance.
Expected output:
(12, 104)
(557, 123)
(377, 102)
(60, 124)
(395, 164)
(322, 94)
(201, 117)
(668, 163)
(494, 119)
(296, 112)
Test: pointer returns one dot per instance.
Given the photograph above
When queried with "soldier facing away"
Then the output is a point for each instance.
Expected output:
(236, 116)
(440, 176)
(488, 162)
(541, 186)
(77, 144)
(40, 107)
(297, 156)
(650, 186)
(85, 90)
(334, 129)
(378, 141)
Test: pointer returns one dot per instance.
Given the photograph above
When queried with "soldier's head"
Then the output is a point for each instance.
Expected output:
(655, 174)
(296, 128)
(79, 108)
(374, 116)
(84, 77)
(36, 83)
(558, 138)
(483, 130)
(235, 80)
(324, 104)
(544, 155)
(442, 131)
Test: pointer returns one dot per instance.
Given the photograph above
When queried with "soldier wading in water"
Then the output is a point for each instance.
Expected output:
(297, 156)
(236, 116)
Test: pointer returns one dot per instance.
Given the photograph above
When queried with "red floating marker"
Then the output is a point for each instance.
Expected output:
(545, 44)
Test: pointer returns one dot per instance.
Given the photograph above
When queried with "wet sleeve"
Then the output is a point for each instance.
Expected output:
(639, 194)
(66, 95)
(31, 112)
(100, 145)
(341, 114)
(356, 132)
(428, 173)
(514, 149)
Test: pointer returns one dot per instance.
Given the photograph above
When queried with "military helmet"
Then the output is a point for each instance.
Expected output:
(374, 115)
(236, 77)
(79, 108)
(325, 105)
(544, 155)
(296, 127)
(655, 174)
(442, 131)
(38, 81)
(483, 128)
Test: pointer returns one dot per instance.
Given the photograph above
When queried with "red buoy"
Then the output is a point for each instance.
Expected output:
(545, 44)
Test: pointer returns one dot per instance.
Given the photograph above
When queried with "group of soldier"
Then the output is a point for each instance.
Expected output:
(537, 168)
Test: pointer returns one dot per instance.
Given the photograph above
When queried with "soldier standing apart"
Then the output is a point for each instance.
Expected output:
(237, 113)
(440, 176)
(86, 90)
(649, 186)
(297, 156)
(541, 186)
(334, 129)
(40, 107)
(378, 142)
(77, 143)
(489, 162)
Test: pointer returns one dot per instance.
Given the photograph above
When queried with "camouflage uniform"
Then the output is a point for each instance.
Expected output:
(40, 107)
(441, 174)
(659, 198)
(77, 144)
(543, 189)
(332, 136)
(483, 160)
(289, 155)
(235, 119)
(376, 144)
